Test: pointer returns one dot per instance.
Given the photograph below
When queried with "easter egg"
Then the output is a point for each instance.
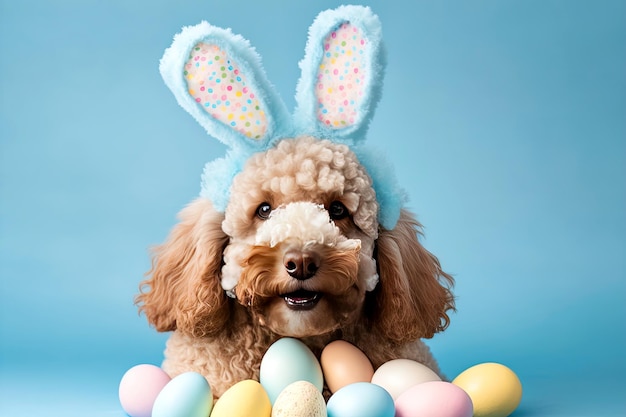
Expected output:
(139, 387)
(495, 390)
(361, 399)
(434, 398)
(286, 361)
(186, 395)
(344, 364)
(398, 375)
(244, 399)
(300, 399)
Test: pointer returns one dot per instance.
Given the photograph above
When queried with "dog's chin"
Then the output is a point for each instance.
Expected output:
(307, 313)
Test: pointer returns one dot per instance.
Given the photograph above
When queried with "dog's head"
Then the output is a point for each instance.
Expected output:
(301, 226)
(302, 232)
(300, 246)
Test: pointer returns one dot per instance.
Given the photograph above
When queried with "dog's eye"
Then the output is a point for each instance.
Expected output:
(337, 210)
(263, 211)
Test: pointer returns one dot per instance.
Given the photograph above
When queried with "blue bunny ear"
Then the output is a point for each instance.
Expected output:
(217, 77)
(342, 73)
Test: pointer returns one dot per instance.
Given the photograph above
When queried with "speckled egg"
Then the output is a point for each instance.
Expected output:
(300, 399)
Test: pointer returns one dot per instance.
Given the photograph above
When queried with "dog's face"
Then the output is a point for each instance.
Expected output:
(302, 227)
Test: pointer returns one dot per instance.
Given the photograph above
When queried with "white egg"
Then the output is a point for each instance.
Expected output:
(398, 375)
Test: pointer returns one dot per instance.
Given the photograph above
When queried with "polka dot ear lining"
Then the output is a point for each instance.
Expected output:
(341, 78)
(217, 84)
(342, 73)
(217, 77)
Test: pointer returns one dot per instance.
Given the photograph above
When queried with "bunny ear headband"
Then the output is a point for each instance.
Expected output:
(217, 77)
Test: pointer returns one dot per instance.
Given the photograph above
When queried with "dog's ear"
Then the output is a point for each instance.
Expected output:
(413, 296)
(183, 290)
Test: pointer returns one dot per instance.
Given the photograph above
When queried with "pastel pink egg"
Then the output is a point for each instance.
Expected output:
(139, 387)
(434, 398)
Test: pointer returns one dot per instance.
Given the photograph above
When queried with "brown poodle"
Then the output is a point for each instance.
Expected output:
(298, 252)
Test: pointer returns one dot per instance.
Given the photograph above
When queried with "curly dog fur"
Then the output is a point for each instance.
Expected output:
(298, 252)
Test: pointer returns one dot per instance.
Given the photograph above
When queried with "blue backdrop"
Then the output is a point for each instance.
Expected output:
(505, 121)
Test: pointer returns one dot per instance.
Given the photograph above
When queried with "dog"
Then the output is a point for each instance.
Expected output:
(301, 234)
(298, 251)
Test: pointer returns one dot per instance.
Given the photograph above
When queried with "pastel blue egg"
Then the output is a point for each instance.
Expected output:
(286, 361)
(361, 399)
(187, 395)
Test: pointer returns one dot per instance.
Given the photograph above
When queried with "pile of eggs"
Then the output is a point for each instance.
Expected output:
(292, 380)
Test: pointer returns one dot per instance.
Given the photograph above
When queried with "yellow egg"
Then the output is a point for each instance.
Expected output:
(244, 399)
(300, 399)
(344, 364)
(495, 390)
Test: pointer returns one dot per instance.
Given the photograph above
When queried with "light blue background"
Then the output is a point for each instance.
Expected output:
(506, 122)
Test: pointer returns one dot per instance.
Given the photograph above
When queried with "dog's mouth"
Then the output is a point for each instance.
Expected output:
(302, 299)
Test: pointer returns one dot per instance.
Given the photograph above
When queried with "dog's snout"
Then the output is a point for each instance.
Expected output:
(300, 265)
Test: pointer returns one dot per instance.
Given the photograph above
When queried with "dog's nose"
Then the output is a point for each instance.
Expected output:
(300, 265)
